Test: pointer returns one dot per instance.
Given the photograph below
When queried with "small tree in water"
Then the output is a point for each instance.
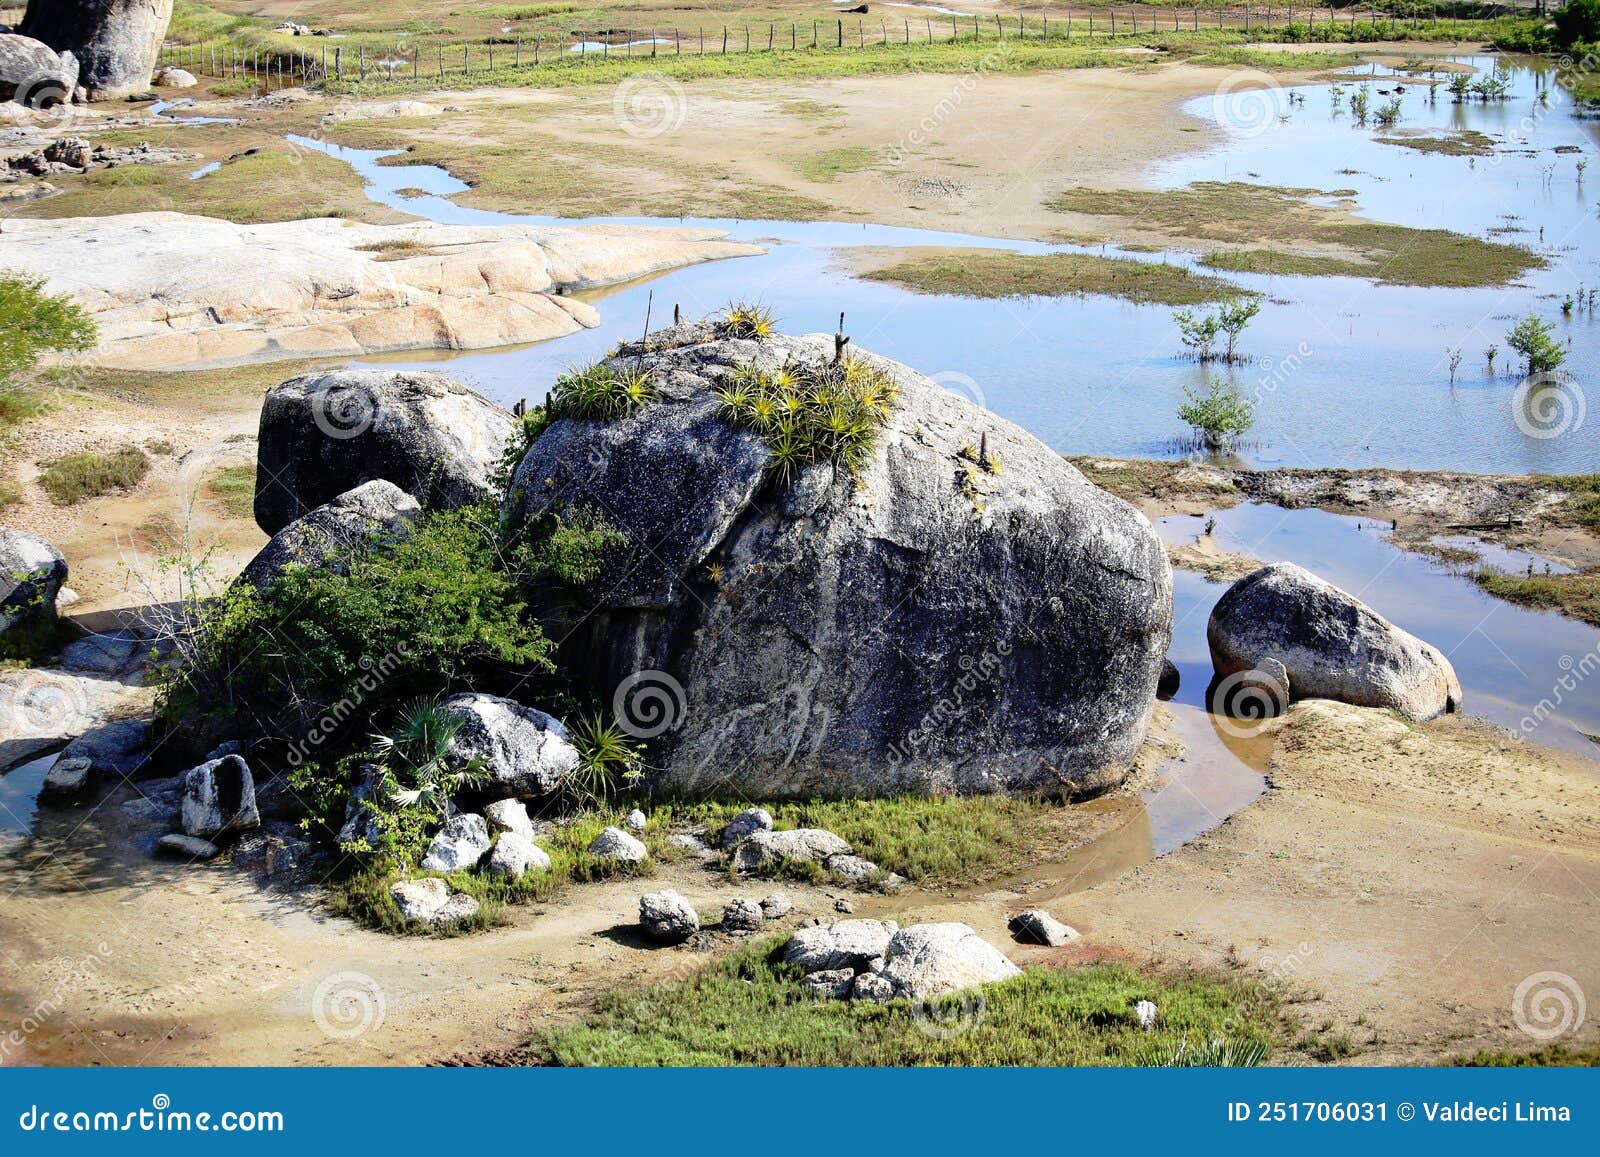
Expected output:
(1200, 331)
(1218, 416)
(1536, 342)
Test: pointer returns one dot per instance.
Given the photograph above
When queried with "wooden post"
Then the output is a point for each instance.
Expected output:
(516, 54)
(724, 40)
(338, 62)
(841, 33)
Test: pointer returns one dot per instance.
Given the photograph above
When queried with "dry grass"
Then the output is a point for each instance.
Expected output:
(1002, 273)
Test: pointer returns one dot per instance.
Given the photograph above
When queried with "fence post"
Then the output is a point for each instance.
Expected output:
(841, 34)
(724, 40)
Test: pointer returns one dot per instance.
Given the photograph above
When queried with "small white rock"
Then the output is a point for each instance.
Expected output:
(616, 844)
(1145, 1010)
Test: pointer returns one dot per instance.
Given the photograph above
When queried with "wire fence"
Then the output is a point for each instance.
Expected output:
(361, 63)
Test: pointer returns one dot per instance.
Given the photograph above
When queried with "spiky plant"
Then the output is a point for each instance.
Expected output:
(746, 319)
(417, 753)
(609, 761)
(600, 392)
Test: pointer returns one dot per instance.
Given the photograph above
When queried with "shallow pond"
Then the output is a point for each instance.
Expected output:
(1345, 372)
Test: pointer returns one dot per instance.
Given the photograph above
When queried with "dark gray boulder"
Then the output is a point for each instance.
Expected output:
(324, 434)
(31, 574)
(931, 624)
(115, 41)
(34, 74)
(376, 510)
(1281, 633)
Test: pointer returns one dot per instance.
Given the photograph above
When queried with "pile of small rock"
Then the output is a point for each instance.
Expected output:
(877, 960)
(755, 847)
(79, 155)
(668, 918)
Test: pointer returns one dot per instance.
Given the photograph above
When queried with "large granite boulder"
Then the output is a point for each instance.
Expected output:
(219, 796)
(460, 844)
(1283, 624)
(376, 510)
(929, 960)
(116, 41)
(853, 944)
(34, 74)
(966, 613)
(326, 433)
(525, 751)
(31, 574)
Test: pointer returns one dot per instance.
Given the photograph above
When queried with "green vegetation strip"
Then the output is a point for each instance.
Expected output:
(1000, 273)
(89, 475)
(1243, 213)
(748, 1009)
(1575, 595)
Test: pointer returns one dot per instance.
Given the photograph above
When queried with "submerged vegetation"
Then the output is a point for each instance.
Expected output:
(1218, 416)
(751, 1009)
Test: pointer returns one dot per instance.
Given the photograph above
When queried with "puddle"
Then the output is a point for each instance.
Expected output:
(584, 47)
(164, 109)
(1346, 373)
(19, 800)
(1510, 660)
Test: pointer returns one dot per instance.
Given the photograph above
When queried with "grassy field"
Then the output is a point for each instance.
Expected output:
(1252, 214)
(748, 1009)
(1575, 595)
(1000, 273)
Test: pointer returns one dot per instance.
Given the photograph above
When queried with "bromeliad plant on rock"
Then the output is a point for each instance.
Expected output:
(828, 413)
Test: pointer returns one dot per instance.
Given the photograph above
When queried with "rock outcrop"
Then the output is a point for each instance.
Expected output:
(31, 574)
(967, 613)
(219, 796)
(34, 74)
(852, 944)
(525, 751)
(116, 41)
(324, 434)
(461, 843)
(374, 511)
(1281, 633)
(176, 291)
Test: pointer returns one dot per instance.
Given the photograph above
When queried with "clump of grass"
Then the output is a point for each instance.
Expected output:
(747, 320)
(89, 475)
(1285, 262)
(829, 413)
(1582, 504)
(1575, 595)
(1549, 1056)
(830, 164)
(234, 488)
(1000, 273)
(600, 392)
(751, 1009)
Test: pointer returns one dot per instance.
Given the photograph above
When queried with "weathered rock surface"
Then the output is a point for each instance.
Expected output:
(187, 847)
(1036, 926)
(34, 74)
(862, 873)
(615, 844)
(108, 653)
(524, 750)
(323, 434)
(31, 574)
(360, 820)
(174, 291)
(851, 944)
(66, 779)
(374, 511)
(873, 987)
(833, 983)
(746, 824)
(515, 855)
(1283, 622)
(461, 843)
(459, 908)
(932, 624)
(115, 41)
(801, 845)
(174, 78)
(116, 748)
(509, 815)
(776, 906)
(419, 899)
(742, 916)
(219, 796)
(667, 916)
(928, 960)
(637, 821)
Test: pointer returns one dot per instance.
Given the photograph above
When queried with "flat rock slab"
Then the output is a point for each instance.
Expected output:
(187, 847)
(175, 291)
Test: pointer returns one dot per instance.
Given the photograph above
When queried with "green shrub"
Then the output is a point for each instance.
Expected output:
(89, 475)
(33, 322)
(1535, 340)
(1218, 416)
(1578, 23)
(600, 392)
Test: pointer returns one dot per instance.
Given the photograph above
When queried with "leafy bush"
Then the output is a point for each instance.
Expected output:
(1535, 340)
(89, 475)
(1219, 415)
(1578, 23)
(33, 322)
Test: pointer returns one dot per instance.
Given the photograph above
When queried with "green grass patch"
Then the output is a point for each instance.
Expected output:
(1283, 261)
(1582, 505)
(830, 164)
(1242, 213)
(1000, 273)
(1464, 143)
(89, 475)
(1575, 595)
(234, 488)
(1547, 1057)
(749, 1009)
